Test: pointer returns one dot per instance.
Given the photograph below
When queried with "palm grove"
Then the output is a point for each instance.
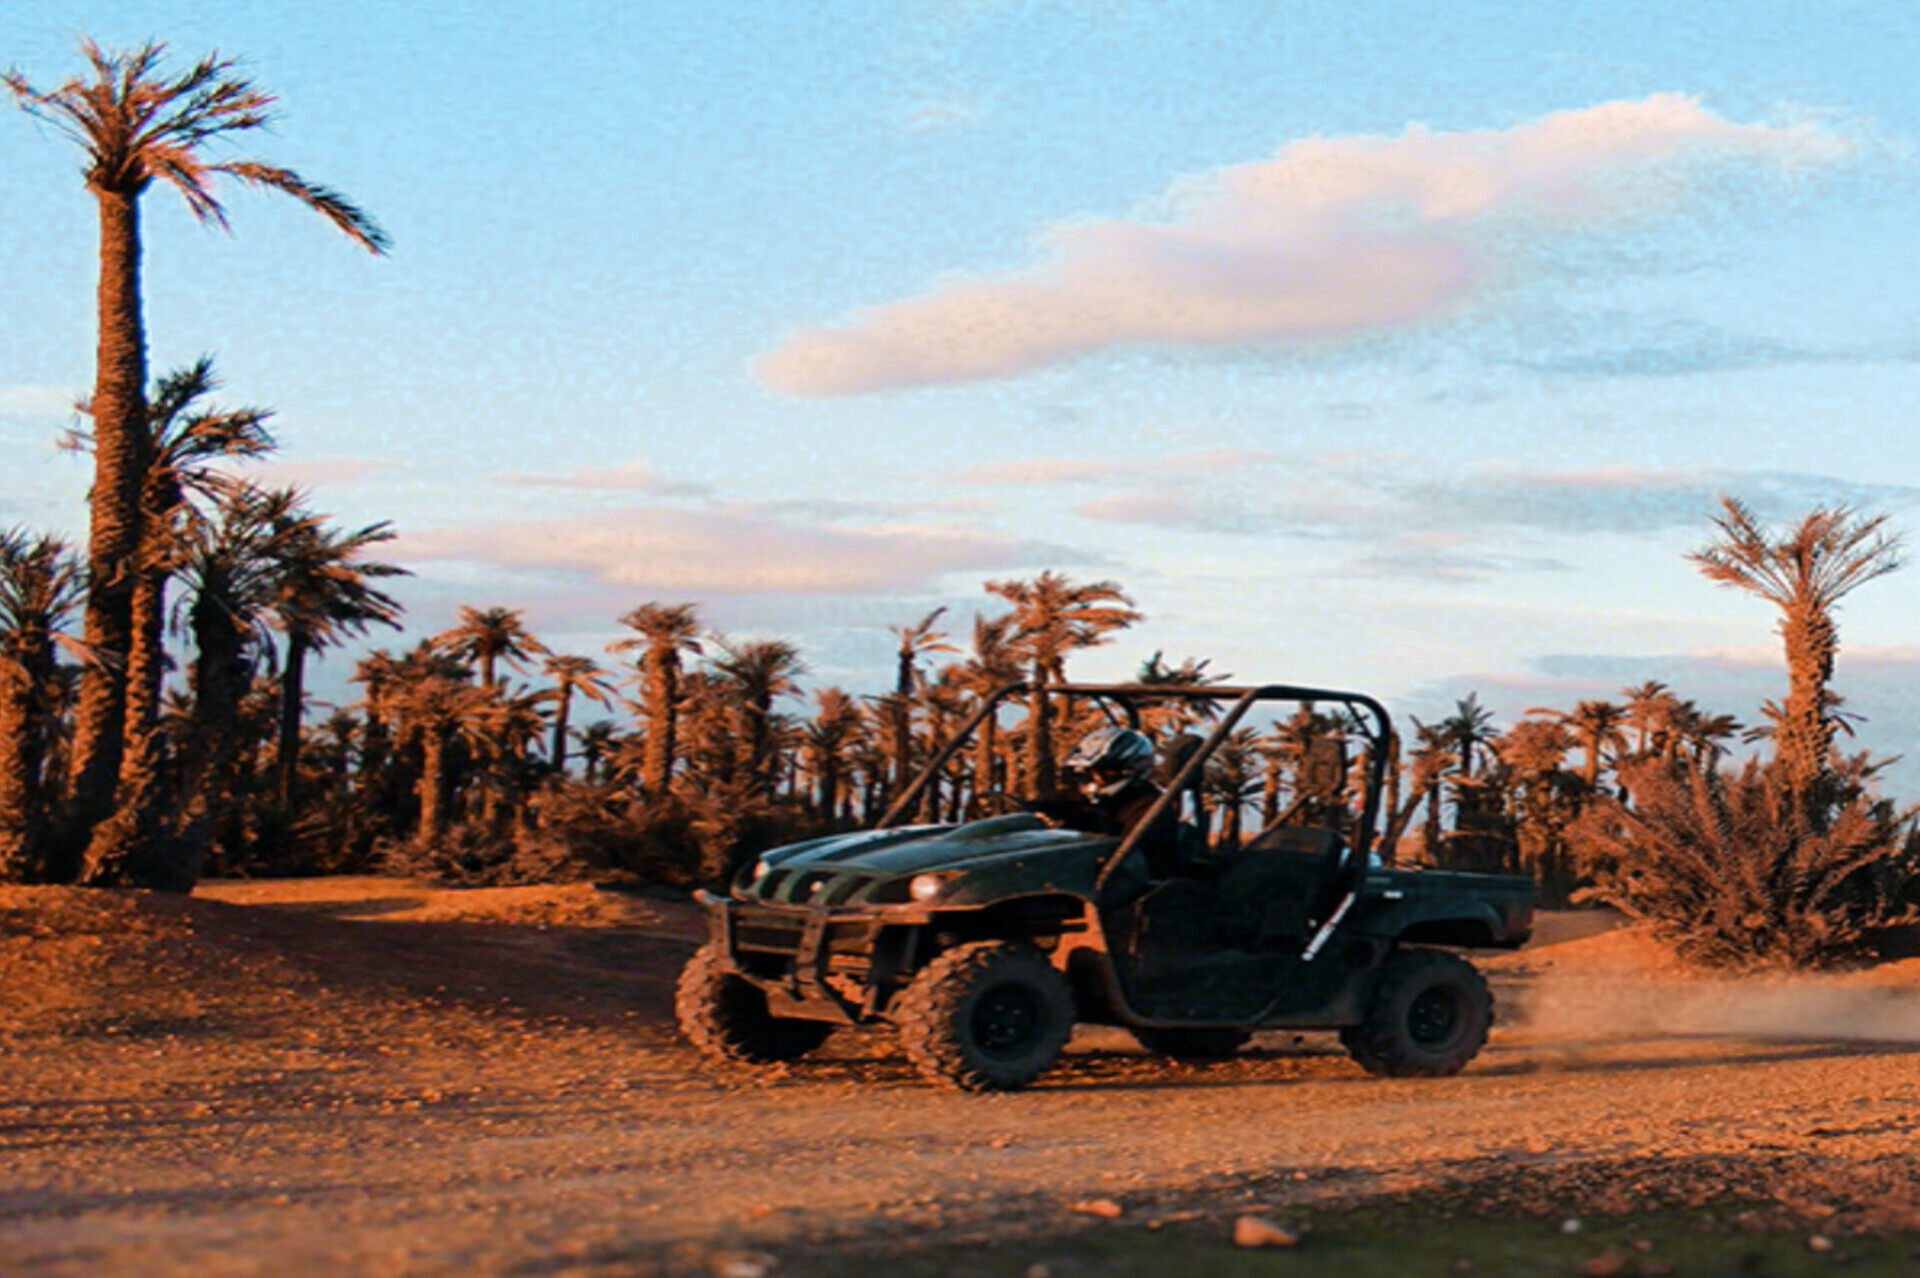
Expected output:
(473, 757)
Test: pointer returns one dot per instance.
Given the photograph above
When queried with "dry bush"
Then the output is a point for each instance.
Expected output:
(1738, 869)
(578, 833)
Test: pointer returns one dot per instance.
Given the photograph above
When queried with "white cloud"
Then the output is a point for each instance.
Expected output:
(1331, 236)
(942, 114)
(311, 472)
(695, 552)
(632, 476)
(1085, 470)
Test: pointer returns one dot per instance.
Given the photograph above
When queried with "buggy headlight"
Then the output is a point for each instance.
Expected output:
(761, 868)
(925, 887)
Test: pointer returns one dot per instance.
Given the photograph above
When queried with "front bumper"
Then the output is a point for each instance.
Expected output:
(815, 963)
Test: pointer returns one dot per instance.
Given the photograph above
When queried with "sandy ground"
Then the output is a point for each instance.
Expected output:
(372, 1076)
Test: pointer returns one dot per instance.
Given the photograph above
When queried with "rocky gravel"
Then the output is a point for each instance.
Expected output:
(369, 1076)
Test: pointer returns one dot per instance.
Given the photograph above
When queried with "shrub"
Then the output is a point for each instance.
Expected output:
(1743, 869)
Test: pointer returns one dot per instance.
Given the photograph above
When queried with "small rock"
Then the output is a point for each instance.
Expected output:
(1642, 1245)
(1258, 1231)
(741, 1264)
(1039, 1271)
(1105, 1208)
(1461, 1265)
(1605, 1265)
(1819, 1242)
(1570, 1225)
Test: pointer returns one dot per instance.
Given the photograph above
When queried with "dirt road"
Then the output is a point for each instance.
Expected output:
(352, 1083)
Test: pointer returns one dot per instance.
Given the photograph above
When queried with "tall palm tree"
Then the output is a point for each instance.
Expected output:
(572, 675)
(756, 672)
(993, 665)
(663, 633)
(1596, 726)
(1651, 707)
(228, 570)
(597, 740)
(1052, 616)
(829, 734)
(39, 588)
(183, 481)
(1805, 572)
(1469, 727)
(188, 441)
(321, 592)
(439, 709)
(135, 123)
(489, 636)
(916, 640)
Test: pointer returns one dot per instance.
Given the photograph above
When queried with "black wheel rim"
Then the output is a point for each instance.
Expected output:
(1434, 1017)
(1007, 1021)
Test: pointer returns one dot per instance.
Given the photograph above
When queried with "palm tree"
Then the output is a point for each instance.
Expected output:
(134, 124)
(597, 740)
(1177, 715)
(572, 675)
(1651, 707)
(1232, 781)
(39, 588)
(1804, 572)
(1426, 772)
(664, 631)
(1596, 728)
(489, 636)
(321, 591)
(227, 566)
(755, 673)
(993, 665)
(1052, 617)
(1469, 727)
(187, 441)
(438, 709)
(829, 734)
(915, 641)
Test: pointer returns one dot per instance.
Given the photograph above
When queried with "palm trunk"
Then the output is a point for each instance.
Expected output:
(1806, 729)
(557, 753)
(120, 452)
(293, 694)
(1040, 778)
(662, 687)
(433, 747)
(22, 801)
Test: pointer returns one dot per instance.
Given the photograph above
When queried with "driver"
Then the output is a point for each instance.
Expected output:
(1114, 768)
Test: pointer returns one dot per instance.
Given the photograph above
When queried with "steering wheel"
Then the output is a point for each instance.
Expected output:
(995, 803)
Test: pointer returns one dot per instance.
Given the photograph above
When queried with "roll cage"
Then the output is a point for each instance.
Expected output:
(1367, 720)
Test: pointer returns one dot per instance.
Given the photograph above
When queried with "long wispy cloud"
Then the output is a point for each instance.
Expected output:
(708, 552)
(631, 476)
(1330, 236)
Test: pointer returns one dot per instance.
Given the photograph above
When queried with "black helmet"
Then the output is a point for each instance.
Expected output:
(1113, 757)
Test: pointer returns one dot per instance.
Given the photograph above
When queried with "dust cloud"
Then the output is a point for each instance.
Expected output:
(1589, 1006)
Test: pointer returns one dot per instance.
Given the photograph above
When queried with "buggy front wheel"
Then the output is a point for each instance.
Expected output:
(988, 1016)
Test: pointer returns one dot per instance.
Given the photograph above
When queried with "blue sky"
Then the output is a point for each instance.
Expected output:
(1377, 345)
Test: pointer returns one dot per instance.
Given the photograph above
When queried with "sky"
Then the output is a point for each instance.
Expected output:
(1387, 346)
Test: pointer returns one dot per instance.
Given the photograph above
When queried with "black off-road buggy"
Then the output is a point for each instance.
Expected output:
(982, 942)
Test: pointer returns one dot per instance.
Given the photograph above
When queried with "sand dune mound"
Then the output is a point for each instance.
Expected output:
(260, 957)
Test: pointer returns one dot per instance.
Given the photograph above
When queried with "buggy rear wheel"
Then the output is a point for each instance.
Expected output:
(1427, 1018)
(989, 1016)
(726, 1017)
